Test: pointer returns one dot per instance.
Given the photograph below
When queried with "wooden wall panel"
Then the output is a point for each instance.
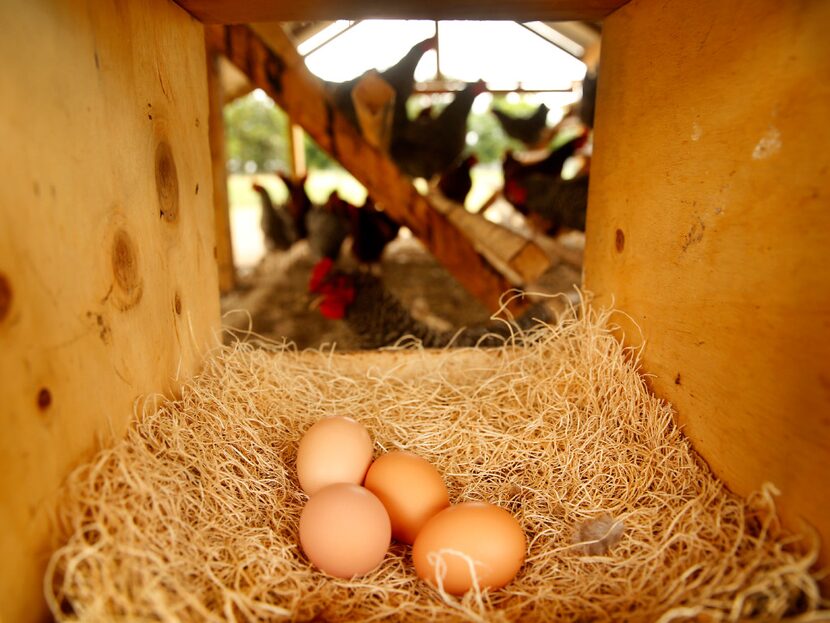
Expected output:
(709, 224)
(108, 283)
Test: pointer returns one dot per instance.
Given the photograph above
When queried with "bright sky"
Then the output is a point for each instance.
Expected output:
(503, 53)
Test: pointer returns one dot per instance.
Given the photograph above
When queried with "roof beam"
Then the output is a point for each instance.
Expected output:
(250, 11)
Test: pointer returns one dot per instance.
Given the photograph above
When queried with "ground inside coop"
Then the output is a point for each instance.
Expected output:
(272, 300)
(194, 516)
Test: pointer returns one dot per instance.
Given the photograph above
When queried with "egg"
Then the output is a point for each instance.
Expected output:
(335, 449)
(345, 530)
(410, 488)
(485, 535)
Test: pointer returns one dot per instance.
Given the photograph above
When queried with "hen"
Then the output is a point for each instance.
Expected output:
(515, 170)
(327, 227)
(399, 76)
(538, 189)
(554, 203)
(529, 130)
(298, 204)
(371, 231)
(377, 318)
(276, 223)
(426, 146)
(587, 106)
(455, 183)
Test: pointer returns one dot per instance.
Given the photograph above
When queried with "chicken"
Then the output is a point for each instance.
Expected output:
(371, 231)
(587, 104)
(377, 318)
(529, 130)
(298, 204)
(538, 191)
(553, 203)
(399, 76)
(277, 224)
(516, 173)
(427, 146)
(455, 183)
(327, 227)
(550, 165)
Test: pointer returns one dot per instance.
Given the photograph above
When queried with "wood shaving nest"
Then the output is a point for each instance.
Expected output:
(194, 515)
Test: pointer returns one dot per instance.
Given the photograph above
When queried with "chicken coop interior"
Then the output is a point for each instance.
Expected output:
(573, 253)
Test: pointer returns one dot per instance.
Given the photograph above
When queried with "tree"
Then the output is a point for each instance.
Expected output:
(255, 134)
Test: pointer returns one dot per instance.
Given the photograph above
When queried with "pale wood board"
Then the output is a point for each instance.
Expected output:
(711, 160)
(106, 299)
(248, 11)
(221, 205)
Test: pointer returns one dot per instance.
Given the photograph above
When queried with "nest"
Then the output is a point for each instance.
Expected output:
(194, 515)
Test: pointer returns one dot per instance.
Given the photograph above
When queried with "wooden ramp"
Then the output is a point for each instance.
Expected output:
(485, 258)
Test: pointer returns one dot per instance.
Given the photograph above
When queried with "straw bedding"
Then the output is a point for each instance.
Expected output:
(193, 517)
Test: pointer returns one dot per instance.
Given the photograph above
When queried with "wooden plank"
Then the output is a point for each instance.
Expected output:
(221, 205)
(106, 245)
(518, 257)
(234, 83)
(250, 11)
(708, 224)
(276, 68)
(296, 149)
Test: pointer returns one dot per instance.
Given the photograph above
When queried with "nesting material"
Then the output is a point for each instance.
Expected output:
(194, 516)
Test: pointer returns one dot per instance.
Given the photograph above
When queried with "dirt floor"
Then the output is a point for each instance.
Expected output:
(273, 299)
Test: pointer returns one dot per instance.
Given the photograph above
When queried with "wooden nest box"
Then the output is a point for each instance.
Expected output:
(708, 225)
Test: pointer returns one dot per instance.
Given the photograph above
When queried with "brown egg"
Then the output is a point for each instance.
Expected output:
(410, 488)
(344, 530)
(335, 449)
(473, 532)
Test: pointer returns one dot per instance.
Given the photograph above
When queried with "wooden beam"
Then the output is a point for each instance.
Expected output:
(278, 69)
(251, 11)
(235, 84)
(334, 37)
(296, 149)
(518, 257)
(708, 226)
(221, 205)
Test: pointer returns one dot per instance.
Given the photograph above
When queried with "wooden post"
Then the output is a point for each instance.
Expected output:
(221, 207)
(278, 69)
(708, 226)
(296, 149)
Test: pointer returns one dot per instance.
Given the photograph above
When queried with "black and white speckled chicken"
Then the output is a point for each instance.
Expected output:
(277, 224)
(530, 130)
(429, 145)
(377, 318)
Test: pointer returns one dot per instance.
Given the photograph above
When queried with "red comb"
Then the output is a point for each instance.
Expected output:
(319, 274)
